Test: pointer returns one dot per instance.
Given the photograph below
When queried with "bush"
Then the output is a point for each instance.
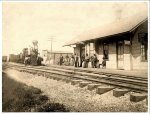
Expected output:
(52, 107)
(43, 98)
(33, 90)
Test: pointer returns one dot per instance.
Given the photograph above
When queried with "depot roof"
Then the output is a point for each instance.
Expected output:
(123, 25)
(62, 52)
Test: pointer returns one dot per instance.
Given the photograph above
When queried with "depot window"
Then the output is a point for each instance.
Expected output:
(106, 50)
(143, 38)
(92, 48)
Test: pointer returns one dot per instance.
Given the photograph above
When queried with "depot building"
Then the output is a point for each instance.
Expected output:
(124, 43)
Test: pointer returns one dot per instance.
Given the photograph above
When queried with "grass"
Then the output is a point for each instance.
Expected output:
(18, 97)
(52, 107)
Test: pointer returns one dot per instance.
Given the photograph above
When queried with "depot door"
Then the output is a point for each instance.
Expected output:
(120, 54)
(82, 50)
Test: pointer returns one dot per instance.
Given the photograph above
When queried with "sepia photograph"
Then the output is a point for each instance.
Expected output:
(75, 56)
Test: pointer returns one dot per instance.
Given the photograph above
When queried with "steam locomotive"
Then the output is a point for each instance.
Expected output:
(32, 59)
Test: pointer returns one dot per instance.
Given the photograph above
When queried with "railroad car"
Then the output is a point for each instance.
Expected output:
(4, 58)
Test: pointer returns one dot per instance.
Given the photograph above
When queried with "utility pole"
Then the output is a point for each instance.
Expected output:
(51, 39)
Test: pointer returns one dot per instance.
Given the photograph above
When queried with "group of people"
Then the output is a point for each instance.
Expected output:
(84, 61)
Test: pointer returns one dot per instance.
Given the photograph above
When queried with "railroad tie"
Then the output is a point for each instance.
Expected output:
(108, 75)
(74, 82)
(54, 78)
(50, 76)
(83, 84)
(103, 89)
(38, 73)
(136, 97)
(67, 80)
(92, 86)
(43, 74)
(64, 79)
(58, 78)
(120, 92)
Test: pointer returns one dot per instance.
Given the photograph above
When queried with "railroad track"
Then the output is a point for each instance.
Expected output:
(136, 84)
(121, 83)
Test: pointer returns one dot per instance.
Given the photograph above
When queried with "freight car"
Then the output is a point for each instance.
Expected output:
(15, 58)
(4, 58)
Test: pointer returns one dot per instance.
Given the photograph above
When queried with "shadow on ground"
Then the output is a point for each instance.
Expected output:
(18, 97)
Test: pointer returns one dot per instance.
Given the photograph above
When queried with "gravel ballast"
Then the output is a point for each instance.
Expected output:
(78, 99)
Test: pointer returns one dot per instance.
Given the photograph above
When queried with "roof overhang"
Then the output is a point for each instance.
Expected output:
(118, 27)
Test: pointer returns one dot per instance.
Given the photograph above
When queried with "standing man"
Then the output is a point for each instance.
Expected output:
(86, 60)
(95, 60)
(61, 60)
(104, 63)
(67, 60)
(82, 60)
(72, 60)
(76, 60)
(92, 61)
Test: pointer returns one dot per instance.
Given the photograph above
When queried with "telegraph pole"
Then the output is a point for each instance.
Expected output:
(51, 39)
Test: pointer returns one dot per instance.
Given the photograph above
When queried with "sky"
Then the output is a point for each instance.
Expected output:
(23, 22)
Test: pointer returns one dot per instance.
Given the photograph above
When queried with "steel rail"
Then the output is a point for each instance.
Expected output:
(103, 80)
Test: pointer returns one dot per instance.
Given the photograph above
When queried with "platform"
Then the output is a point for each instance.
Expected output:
(136, 73)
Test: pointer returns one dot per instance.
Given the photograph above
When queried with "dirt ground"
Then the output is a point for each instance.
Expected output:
(78, 99)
